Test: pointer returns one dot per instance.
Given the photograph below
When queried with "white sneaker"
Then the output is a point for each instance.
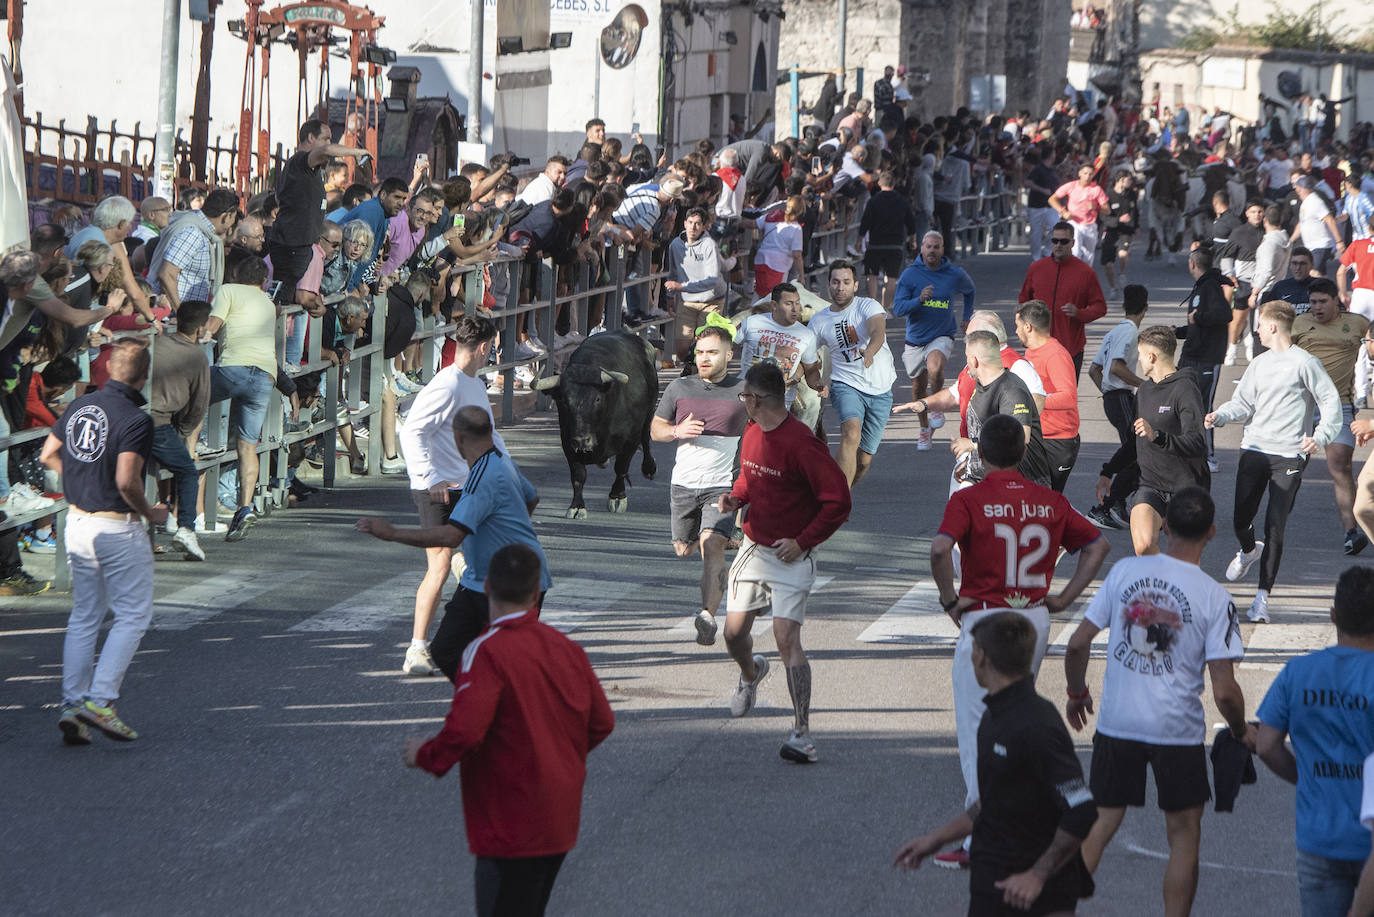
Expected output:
(923, 441)
(798, 748)
(706, 628)
(1231, 351)
(458, 564)
(533, 343)
(937, 420)
(393, 465)
(742, 701)
(1241, 563)
(419, 661)
(1249, 348)
(1259, 608)
(185, 539)
(24, 499)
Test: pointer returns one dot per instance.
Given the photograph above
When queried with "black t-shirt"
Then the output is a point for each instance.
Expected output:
(1045, 177)
(1031, 785)
(1223, 226)
(94, 430)
(888, 220)
(300, 192)
(1119, 205)
(1007, 394)
(541, 225)
(1292, 291)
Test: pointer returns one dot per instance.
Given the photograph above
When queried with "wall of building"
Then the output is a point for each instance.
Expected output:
(1164, 23)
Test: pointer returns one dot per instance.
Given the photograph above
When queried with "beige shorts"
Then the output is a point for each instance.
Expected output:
(692, 315)
(760, 582)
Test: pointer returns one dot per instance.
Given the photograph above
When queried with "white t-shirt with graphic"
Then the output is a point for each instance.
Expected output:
(846, 334)
(1168, 619)
(790, 346)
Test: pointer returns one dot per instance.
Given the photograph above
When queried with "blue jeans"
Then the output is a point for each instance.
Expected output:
(170, 452)
(249, 387)
(295, 339)
(1326, 886)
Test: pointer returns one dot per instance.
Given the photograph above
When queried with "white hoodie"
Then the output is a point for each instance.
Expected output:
(1271, 260)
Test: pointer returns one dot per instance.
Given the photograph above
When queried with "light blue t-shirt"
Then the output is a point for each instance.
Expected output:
(492, 510)
(84, 235)
(1325, 702)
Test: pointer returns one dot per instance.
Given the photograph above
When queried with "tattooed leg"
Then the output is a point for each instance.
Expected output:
(799, 686)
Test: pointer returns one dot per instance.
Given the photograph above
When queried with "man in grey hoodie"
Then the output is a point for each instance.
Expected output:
(923, 191)
(696, 274)
(955, 178)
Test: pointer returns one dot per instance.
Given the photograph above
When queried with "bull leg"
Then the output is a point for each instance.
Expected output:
(648, 467)
(577, 509)
(618, 502)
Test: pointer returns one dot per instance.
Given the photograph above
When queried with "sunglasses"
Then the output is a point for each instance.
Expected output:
(1061, 241)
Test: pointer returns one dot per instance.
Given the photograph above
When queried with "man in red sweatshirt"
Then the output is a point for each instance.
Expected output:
(526, 710)
(797, 498)
(1069, 286)
(1059, 417)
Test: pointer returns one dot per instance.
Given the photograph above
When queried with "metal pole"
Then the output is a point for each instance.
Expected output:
(844, 18)
(796, 99)
(475, 49)
(164, 149)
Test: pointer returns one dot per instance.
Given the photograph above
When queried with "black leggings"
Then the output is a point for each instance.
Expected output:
(1282, 476)
(1208, 374)
(944, 220)
(517, 886)
(466, 615)
(1119, 406)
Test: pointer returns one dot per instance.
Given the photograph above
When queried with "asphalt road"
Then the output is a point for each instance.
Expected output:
(269, 779)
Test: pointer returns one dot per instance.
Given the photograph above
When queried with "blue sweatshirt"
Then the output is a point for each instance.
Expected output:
(926, 321)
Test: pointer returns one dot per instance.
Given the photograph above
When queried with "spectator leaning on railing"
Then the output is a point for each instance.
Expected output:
(189, 260)
(180, 395)
(112, 221)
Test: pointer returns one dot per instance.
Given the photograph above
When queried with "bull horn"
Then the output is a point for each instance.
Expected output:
(609, 376)
(545, 383)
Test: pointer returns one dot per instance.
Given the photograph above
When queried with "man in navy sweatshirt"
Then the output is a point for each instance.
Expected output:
(925, 295)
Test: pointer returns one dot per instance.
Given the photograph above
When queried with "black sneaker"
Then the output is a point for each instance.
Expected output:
(20, 583)
(1122, 516)
(244, 518)
(300, 490)
(1101, 517)
(1355, 542)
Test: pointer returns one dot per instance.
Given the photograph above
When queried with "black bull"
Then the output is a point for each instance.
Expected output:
(605, 397)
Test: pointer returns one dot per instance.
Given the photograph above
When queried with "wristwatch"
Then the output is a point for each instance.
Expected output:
(949, 606)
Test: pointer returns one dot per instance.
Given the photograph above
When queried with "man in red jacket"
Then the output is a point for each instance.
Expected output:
(1069, 286)
(797, 498)
(526, 710)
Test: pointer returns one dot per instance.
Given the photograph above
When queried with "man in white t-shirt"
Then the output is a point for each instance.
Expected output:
(544, 185)
(1113, 371)
(1169, 622)
(1277, 173)
(780, 337)
(437, 471)
(862, 371)
(1316, 225)
(704, 415)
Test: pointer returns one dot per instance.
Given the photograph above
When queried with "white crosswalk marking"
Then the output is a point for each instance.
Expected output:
(915, 618)
(687, 627)
(1060, 641)
(576, 601)
(369, 610)
(197, 604)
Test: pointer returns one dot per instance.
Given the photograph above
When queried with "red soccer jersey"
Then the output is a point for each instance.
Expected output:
(1360, 255)
(1010, 532)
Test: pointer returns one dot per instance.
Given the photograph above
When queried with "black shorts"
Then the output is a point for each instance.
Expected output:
(432, 512)
(1156, 500)
(1052, 900)
(1114, 241)
(1241, 301)
(887, 262)
(1117, 774)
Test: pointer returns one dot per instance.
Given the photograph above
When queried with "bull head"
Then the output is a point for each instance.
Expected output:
(607, 377)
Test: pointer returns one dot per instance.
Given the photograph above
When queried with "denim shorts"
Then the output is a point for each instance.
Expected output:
(249, 387)
(873, 410)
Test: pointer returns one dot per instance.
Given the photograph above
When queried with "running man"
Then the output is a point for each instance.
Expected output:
(797, 498)
(1113, 371)
(1080, 203)
(861, 370)
(1054, 366)
(1169, 622)
(1035, 807)
(1274, 398)
(437, 471)
(997, 390)
(1070, 288)
(1335, 338)
(1023, 526)
(1119, 223)
(1205, 333)
(1171, 445)
(703, 414)
(780, 337)
(925, 296)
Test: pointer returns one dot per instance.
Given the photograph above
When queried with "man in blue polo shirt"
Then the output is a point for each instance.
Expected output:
(493, 511)
(100, 447)
(1322, 701)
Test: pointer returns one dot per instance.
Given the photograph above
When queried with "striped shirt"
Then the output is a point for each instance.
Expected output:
(1360, 209)
(640, 209)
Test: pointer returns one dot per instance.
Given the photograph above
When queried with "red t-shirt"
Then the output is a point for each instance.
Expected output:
(1360, 255)
(792, 486)
(966, 385)
(1059, 419)
(1010, 532)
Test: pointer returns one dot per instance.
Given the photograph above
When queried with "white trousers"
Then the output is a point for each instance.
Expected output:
(1362, 303)
(1041, 220)
(112, 569)
(1084, 241)
(968, 694)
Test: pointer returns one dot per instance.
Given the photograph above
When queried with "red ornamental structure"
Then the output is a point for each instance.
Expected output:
(310, 28)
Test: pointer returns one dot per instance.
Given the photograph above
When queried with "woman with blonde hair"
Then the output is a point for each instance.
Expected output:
(780, 249)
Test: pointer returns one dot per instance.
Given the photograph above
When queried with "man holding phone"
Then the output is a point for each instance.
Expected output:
(301, 196)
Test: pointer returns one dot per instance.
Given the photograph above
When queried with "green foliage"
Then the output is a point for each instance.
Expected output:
(1307, 31)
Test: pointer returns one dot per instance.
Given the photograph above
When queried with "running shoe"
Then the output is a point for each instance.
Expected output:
(707, 627)
(106, 720)
(748, 691)
(419, 661)
(20, 583)
(1101, 517)
(393, 465)
(1259, 608)
(458, 564)
(798, 748)
(244, 519)
(185, 541)
(74, 732)
(937, 420)
(1121, 515)
(952, 859)
(1232, 351)
(47, 544)
(1241, 563)
(1355, 542)
(923, 440)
